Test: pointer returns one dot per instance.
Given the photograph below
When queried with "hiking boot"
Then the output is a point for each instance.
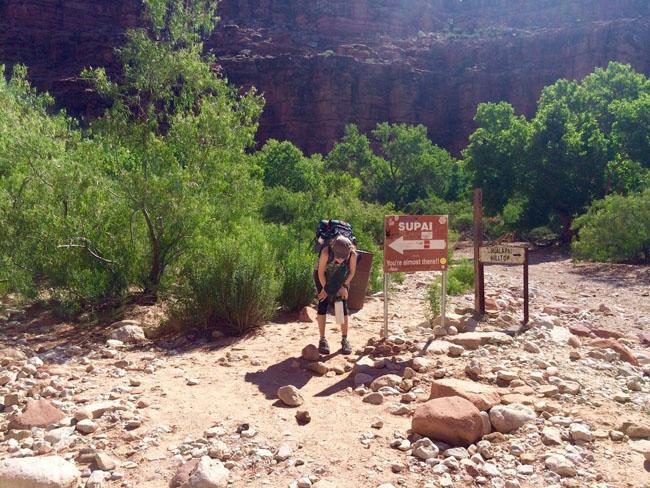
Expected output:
(323, 346)
(345, 346)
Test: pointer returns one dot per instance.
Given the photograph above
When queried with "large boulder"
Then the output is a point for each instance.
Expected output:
(506, 418)
(453, 420)
(128, 331)
(290, 396)
(37, 413)
(209, 473)
(38, 472)
(483, 397)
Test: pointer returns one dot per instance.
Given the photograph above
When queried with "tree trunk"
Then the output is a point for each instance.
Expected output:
(155, 271)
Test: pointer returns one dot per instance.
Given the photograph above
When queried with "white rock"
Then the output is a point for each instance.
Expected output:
(128, 333)
(424, 449)
(290, 396)
(209, 473)
(38, 472)
(506, 418)
(580, 432)
(86, 426)
(560, 465)
(97, 478)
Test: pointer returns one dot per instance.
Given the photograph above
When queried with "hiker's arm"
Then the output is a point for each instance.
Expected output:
(353, 268)
(348, 279)
(322, 264)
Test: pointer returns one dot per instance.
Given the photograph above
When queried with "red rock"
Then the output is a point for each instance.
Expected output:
(310, 353)
(37, 413)
(644, 337)
(183, 474)
(574, 341)
(317, 367)
(453, 420)
(483, 397)
(580, 330)
(307, 315)
(606, 333)
(491, 305)
(626, 354)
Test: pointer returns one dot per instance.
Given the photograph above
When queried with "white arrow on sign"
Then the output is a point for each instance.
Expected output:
(400, 245)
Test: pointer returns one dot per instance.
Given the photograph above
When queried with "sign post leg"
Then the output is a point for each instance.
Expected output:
(443, 299)
(525, 285)
(385, 331)
(479, 283)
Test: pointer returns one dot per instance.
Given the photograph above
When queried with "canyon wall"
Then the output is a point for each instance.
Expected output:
(322, 64)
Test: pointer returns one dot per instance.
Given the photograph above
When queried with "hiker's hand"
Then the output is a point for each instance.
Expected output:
(343, 292)
(322, 295)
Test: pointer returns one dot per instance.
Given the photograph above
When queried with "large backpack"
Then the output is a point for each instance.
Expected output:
(327, 229)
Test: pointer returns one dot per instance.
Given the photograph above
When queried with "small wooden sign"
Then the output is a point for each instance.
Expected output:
(502, 255)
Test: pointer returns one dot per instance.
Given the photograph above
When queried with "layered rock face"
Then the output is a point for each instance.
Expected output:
(322, 64)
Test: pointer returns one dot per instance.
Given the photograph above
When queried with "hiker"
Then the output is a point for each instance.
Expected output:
(334, 271)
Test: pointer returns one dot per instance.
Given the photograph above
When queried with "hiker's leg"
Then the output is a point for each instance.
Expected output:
(345, 344)
(344, 325)
(321, 318)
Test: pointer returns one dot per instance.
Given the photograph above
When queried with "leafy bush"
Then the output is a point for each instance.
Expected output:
(615, 229)
(231, 284)
(460, 278)
(542, 235)
(298, 288)
(433, 299)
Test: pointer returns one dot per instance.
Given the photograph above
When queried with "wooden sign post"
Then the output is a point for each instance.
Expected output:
(414, 243)
(506, 254)
(493, 255)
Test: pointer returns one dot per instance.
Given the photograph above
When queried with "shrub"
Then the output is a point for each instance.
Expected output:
(460, 278)
(298, 288)
(543, 236)
(433, 299)
(615, 229)
(231, 284)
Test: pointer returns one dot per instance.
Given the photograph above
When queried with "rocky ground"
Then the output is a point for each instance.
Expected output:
(564, 403)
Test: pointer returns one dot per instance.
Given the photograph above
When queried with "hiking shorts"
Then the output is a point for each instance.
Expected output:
(323, 306)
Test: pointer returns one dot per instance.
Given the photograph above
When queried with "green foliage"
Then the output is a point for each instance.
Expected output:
(616, 229)
(59, 234)
(496, 153)
(232, 283)
(284, 165)
(433, 299)
(460, 278)
(298, 289)
(408, 167)
(179, 134)
(586, 140)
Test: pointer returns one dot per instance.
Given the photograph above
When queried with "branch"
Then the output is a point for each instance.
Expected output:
(86, 245)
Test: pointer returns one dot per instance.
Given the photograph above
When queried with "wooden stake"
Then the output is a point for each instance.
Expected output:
(525, 285)
(479, 280)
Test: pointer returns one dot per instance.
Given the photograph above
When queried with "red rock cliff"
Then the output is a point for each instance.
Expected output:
(322, 64)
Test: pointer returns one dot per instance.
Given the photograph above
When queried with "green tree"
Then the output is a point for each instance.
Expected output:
(181, 133)
(568, 158)
(497, 153)
(411, 166)
(59, 231)
(285, 165)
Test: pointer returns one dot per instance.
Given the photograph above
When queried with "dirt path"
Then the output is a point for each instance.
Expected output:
(238, 380)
